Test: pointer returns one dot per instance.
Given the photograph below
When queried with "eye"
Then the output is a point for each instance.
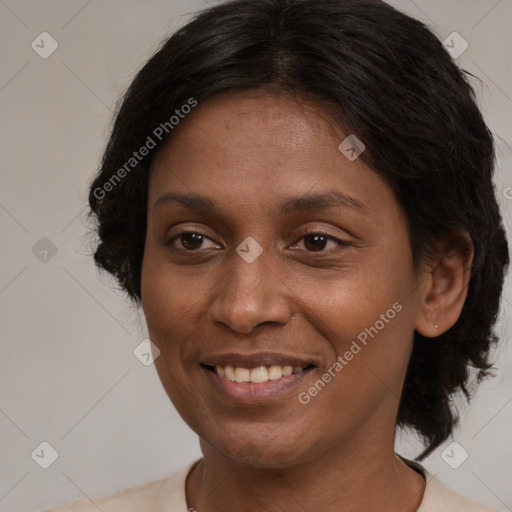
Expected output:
(316, 241)
(189, 240)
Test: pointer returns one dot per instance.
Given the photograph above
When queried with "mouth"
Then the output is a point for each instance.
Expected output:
(257, 378)
(256, 374)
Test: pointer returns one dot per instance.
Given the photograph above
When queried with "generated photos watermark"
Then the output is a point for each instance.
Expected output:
(351, 147)
(137, 156)
(305, 396)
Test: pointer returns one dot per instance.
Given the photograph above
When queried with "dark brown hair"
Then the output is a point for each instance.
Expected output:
(381, 75)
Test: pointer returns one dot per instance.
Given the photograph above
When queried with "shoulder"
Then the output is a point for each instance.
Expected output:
(154, 496)
(440, 498)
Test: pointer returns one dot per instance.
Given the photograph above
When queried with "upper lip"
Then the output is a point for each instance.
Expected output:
(257, 359)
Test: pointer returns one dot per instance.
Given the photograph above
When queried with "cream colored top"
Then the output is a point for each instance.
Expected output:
(168, 495)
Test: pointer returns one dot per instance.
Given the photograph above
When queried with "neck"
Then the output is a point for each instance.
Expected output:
(355, 477)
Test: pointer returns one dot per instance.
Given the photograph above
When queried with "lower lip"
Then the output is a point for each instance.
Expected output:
(253, 392)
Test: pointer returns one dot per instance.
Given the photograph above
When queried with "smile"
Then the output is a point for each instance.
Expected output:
(261, 373)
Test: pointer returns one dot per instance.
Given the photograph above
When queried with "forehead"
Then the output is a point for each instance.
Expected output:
(255, 147)
(245, 123)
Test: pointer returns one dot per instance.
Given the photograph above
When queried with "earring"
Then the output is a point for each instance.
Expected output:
(435, 325)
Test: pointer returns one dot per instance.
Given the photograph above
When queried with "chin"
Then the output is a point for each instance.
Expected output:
(260, 453)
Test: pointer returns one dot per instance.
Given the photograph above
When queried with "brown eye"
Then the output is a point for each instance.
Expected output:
(189, 240)
(317, 242)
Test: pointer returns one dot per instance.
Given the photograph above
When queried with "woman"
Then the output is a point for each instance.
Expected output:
(299, 195)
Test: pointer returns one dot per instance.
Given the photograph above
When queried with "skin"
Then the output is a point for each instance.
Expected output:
(249, 152)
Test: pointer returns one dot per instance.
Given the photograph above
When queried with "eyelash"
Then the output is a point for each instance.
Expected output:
(341, 243)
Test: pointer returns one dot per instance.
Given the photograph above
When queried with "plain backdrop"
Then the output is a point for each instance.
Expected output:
(68, 374)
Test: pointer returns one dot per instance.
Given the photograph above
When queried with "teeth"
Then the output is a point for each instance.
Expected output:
(287, 370)
(242, 374)
(275, 372)
(258, 374)
(229, 373)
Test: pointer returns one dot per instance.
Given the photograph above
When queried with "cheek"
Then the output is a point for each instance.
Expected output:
(174, 310)
(168, 302)
(369, 344)
(167, 306)
(368, 319)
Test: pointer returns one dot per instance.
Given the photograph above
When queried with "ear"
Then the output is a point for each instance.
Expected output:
(444, 284)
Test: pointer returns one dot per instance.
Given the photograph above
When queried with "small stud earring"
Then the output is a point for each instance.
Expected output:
(435, 325)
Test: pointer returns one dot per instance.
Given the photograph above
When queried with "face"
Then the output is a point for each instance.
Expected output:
(268, 251)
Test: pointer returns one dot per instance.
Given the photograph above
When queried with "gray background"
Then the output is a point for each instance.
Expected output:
(68, 374)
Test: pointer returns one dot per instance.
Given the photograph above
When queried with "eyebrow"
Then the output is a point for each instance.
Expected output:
(310, 202)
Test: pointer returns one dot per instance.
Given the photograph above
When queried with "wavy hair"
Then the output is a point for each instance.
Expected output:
(381, 75)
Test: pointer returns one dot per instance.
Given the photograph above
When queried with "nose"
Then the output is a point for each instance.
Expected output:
(251, 294)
